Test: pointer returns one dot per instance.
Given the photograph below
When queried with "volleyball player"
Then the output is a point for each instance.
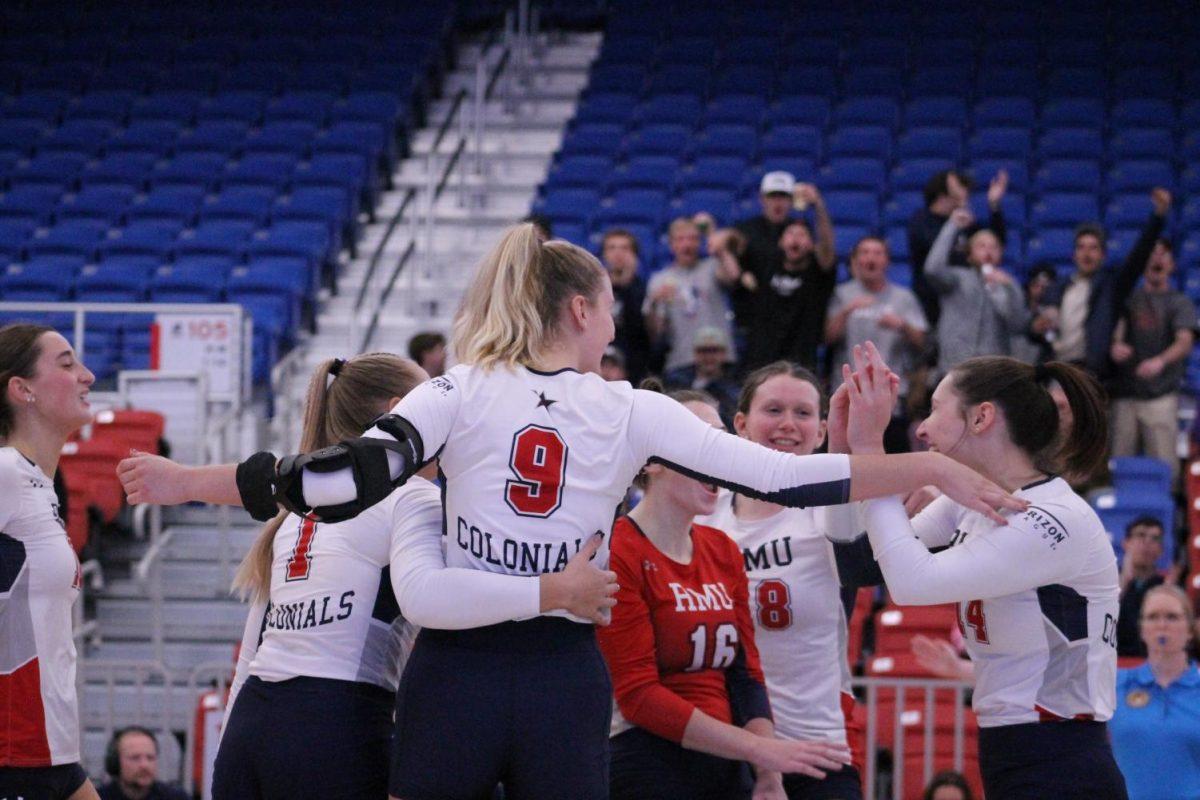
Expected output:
(45, 400)
(799, 618)
(536, 452)
(691, 699)
(1037, 595)
(333, 605)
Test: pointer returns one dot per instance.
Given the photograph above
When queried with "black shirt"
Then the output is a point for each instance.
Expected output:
(631, 337)
(1129, 638)
(787, 314)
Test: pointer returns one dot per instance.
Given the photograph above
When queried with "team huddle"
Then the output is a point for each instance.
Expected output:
(514, 630)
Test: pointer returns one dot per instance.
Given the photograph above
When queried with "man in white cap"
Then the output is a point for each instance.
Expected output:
(762, 232)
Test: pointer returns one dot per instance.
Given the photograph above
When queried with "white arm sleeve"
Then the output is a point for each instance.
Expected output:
(246, 653)
(430, 408)
(662, 430)
(1001, 561)
(433, 595)
(934, 524)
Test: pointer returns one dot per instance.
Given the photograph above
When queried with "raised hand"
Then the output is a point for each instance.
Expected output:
(873, 390)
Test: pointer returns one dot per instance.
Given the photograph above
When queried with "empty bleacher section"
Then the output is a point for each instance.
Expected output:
(198, 153)
(688, 106)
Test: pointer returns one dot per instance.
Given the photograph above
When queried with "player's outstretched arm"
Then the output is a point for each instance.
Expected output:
(709, 735)
(161, 481)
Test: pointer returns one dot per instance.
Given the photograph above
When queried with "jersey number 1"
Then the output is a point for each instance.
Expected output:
(539, 460)
(300, 563)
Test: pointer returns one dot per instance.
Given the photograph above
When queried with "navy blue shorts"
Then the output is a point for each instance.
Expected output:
(41, 783)
(649, 767)
(845, 784)
(305, 738)
(1065, 760)
(527, 704)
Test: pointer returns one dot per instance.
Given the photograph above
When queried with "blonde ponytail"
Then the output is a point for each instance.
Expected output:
(344, 398)
(510, 312)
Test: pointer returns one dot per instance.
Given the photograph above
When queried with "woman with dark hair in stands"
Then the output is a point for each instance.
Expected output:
(1037, 595)
(690, 694)
(45, 400)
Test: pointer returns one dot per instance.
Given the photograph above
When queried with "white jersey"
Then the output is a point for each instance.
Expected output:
(535, 463)
(344, 596)
(1037, 598)
(799, 621)
(39, 582)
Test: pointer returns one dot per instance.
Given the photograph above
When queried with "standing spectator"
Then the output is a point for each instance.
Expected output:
(132, 761)
(709, 372)
(1155, 735)
(619, 252)
(869, 307)
(983, 304)
(1034, 344)
(786, 305)
(944, 192)
(1150, 349)
(1139, 574)
(1089, 301)
(686, 296)
(428, 349)
(776, 194)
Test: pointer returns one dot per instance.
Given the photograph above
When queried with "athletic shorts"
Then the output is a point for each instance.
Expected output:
(305, 738)
(41, 783)
(527, 704)
(1070, 760)
(845, 784)
(649, 767)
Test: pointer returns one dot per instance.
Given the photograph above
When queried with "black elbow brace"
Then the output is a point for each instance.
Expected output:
(365, 457)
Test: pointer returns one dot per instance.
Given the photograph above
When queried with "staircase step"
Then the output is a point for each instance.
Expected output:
(183, 620)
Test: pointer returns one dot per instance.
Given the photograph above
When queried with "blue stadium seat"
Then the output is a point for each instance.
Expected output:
(632, 206)
(70, 78)
(1189, 215)
(846, 236)
(114, 281)
(248, 203)
(1013, 206)
(173, 283)
(1145, 82)
(40, 280)
(984, 169)
(32, 204)
(1055, 245)
(688, 50)
(308, 241)
(147, 136)
(1017, 112)
(245, 107)
(866, 174)
(743, 79)
(899, 209)
(854, 208)
(1116, 510)
(569, 206)
(644, 172)
(1148, 143)
(42, 106)
(178, 203)
(178, 107)
(1143, 113)
(802, 169)
(73, 238)
(382, 108)
(223, 238)
(56, 170)
(746, 109)
(897, 242)
(328, 204)
(1189, 148)
(658, 140)
(1071, 143)
(593, 140)
(13, 235)
(1189, 115)
(21, 135)
(911, 175)
(717, 202)
(606, 107)
(272, 281)
(222, 137)
(670, 109)
(1063, 209)
(867, 141)
(1006, 82)
(292, 139)
(715, 172)
(1127, 211)
(198, 78)
(681, 78)
(1141, 175)
(726, 140)
(1000, 143)
(349, 172)
(800, 110)
(191, 169)
(930, 142)
(145, 237)
(1067, 175)
(579, 171)
(132, 78)
(300, 106)
(634, 50)
(879, 110)
(119, 169)
(932, 82)
(616, 78)
(817, 81)
(936, 111)
(258, 76)
(791, 141)
(102, 203)
(261, 169)
(872, 81)
(77, 136)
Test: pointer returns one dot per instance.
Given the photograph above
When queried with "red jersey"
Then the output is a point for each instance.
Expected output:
(678, 632)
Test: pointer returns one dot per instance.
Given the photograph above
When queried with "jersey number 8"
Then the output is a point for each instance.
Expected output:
(539, 460)
(774, 604)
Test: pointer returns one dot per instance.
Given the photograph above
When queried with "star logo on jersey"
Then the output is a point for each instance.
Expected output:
(543, 401)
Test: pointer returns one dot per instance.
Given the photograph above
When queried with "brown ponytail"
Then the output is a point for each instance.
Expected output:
(344, 398)
(1021, 392)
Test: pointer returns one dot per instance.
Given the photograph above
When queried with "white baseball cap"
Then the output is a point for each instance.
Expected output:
(777, 182)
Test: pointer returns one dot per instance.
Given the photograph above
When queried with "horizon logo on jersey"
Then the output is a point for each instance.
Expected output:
(714, 596)
(1052, 529)
(308, 613)
(520, 556)
(775, 553)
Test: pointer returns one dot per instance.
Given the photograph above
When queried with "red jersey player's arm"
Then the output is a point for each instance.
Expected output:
(744, 679)
(628, 645)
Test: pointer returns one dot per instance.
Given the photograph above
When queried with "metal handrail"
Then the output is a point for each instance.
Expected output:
(459, 97)
(387, 291)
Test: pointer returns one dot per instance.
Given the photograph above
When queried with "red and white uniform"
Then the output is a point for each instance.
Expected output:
(678, 632)
(799, 621)
(39, 581)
